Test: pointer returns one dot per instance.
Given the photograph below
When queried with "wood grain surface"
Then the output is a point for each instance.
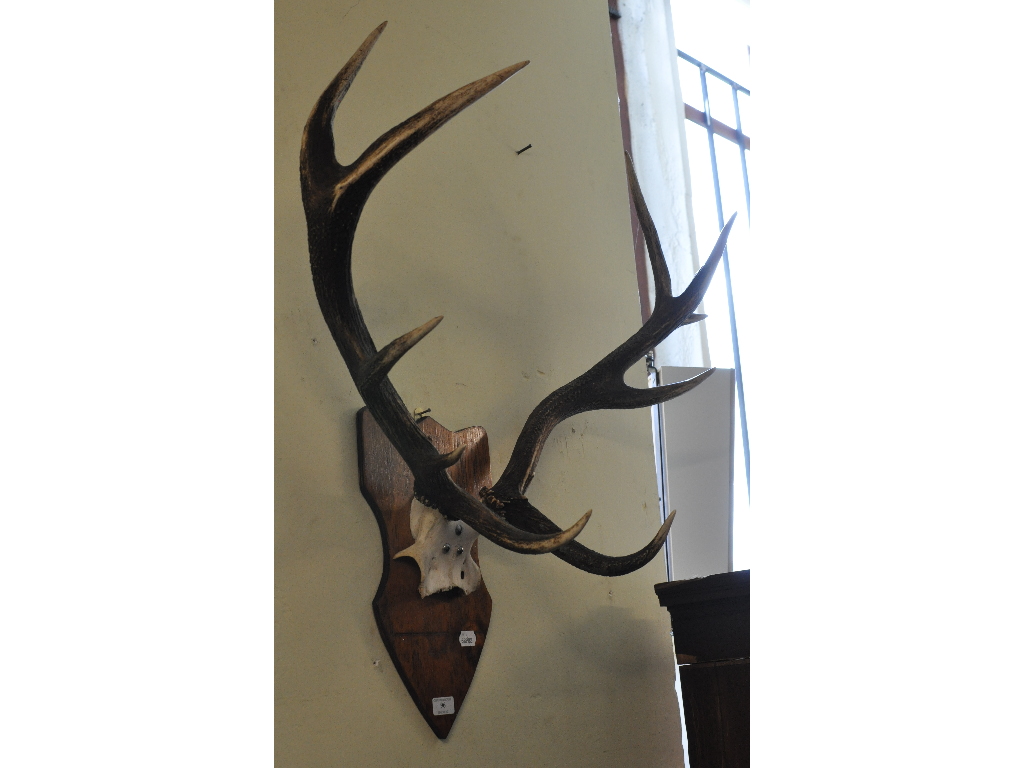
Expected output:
(422, 634)
(716, 702)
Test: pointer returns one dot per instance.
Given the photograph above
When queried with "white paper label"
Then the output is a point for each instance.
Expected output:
(467, 637)
(444, 705)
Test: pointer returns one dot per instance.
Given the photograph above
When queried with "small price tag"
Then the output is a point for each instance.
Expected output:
(467, 638)
(444, 705)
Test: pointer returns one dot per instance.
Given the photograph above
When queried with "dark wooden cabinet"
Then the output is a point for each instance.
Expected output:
(711, 630)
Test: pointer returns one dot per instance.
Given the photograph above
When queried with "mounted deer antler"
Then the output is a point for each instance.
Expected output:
(333, 196)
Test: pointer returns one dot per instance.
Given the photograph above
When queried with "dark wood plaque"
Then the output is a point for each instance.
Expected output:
(422, 633)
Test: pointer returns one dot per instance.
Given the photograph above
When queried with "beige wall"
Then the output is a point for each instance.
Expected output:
(529, 259)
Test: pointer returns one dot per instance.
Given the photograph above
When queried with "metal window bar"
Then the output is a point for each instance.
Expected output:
(743, 142)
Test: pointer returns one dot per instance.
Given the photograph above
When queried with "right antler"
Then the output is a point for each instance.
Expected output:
(603, 387)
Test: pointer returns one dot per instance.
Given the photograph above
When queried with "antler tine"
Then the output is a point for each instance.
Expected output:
(659, 267)
(317, 157)
(645, 398)
(373, 371)
(333, 197)
(524, 515)
(382, 155)
(688, 300)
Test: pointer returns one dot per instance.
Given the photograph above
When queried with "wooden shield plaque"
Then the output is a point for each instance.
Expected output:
(428, 637)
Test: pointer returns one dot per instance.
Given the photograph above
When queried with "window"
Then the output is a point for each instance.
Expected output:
(713, 48)
(717, 153)
(681, 67)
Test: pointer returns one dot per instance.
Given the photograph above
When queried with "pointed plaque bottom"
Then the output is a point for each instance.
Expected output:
(428, 637)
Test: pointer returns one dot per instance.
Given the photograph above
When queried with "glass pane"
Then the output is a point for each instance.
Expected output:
(720, 96)
(746, 118)
(741, 516)
(702, 188)
(747, 157)
(730, 178)
(705, 215)
(689, 84)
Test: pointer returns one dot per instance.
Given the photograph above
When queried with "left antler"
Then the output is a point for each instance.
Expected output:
(333, 196)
